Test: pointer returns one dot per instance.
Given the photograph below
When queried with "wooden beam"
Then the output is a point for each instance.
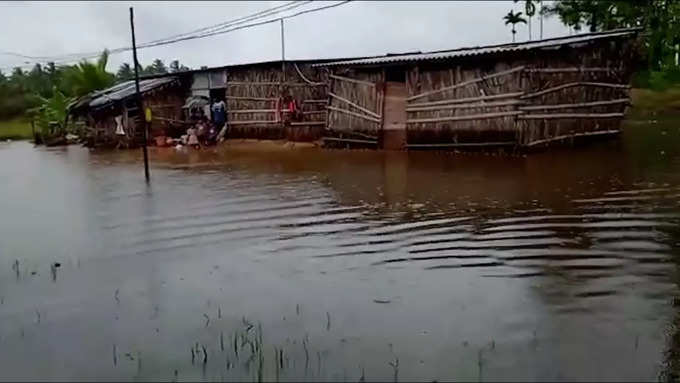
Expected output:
(463, 144)
(468, 99)
(465, 118)
(568, 70)
(465, 106)
(362, 82)
(568, 136)
(314, 101)
(365, 117)
(361, 108)
(569, 115)
(315, 112)
(350, 140)
(465, 83)
(577, 105)
(573, 84)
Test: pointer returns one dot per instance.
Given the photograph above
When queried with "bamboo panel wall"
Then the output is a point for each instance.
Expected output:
(529, 99)
(361, 117)
(466, 122)
(594, 104)
(253, 95)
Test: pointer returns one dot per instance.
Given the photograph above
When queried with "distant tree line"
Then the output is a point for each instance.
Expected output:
(25, 91)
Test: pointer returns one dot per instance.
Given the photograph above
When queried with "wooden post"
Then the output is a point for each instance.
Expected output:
(139, 96)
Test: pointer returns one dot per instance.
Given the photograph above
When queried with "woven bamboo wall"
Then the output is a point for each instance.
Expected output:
(421, 80)
(345, 120)
(252, 93)
(506, 105)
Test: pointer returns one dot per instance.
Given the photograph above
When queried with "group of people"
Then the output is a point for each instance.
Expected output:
(207, 125)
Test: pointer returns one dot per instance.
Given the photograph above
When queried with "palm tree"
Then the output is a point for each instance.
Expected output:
(86, 77)
(125, 72)
(514, 18)
(529, 10)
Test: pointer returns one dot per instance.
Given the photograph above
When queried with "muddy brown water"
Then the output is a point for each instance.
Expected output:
(336, 265)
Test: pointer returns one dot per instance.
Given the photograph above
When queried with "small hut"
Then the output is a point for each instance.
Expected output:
(524, 95)
(112, 116)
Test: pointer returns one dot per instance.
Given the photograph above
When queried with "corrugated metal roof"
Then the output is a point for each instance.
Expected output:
(476, 51)
(126, 89)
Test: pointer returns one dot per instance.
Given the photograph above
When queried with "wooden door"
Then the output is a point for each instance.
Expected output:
(394, 124)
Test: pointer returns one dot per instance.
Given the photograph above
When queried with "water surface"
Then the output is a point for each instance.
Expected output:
(309, 264)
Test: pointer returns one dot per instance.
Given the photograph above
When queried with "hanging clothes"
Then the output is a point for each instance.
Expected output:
(119, 126)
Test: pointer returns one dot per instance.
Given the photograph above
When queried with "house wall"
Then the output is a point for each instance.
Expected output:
(465, 114)
(254, 96)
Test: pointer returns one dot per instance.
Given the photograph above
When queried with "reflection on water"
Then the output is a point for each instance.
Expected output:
(338, 265)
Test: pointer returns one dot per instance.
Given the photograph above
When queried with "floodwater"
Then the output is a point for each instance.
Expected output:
(342, 265)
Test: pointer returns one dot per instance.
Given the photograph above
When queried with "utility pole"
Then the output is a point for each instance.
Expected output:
(140, 112)
(540, 15)
(283, 53)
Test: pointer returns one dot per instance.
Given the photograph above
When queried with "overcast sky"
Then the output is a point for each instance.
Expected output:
(358, 28)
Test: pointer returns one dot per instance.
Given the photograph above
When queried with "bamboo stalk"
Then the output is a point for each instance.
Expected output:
(252, 122)
(251, 98)
(568, 70)
(462, 145)
(314, 101)
(466, 106)
(361, 108)
(468, 99)
(568, 136)
(314, 112)
(573, 84)
(569, 115)
(365, 117)
(350, 140)
(308, 123)
(272, 83)
(465, 83)
(239, 111)
(577, 105)
(464, 118)
(362, 82)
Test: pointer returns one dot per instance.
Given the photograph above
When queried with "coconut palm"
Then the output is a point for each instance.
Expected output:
(86, 77)
(514, 18)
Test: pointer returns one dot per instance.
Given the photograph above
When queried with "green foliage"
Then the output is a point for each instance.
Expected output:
(22, 91)
(659, 18)
(86, 77)
(51, 113)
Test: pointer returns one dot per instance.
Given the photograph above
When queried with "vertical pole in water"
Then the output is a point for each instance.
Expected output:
(139, 95)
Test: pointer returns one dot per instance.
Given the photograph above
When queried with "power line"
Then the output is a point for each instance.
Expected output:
(71, 57)
(193, 37)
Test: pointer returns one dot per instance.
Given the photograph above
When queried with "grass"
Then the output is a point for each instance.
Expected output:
(649, 103)
(15, 129)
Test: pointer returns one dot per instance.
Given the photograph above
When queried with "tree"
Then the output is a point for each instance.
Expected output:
(514, 18)
(176, 67)
(125, 72)
(529, 10)
(86, 77)
(659, 18)
(156, 67)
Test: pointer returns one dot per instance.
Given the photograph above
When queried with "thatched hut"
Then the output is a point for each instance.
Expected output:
(513, 95)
